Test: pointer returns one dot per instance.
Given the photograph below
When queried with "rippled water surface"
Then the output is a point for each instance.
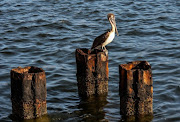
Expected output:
(46, 33)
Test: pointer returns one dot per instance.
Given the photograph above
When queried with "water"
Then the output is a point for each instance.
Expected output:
(46, 33)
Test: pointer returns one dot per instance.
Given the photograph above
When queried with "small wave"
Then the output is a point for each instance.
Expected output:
(43, 35)
(168, 28)
(163, 18)
(24, 29)
(142, 33)
(56, 25)
(66, 22)
(8, 53)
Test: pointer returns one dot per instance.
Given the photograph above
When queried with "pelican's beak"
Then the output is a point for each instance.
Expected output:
(116, 30)
(114, 23)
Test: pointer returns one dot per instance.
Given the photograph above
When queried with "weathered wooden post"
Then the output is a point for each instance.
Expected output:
(136, 88)
(28, 92)
(92, 72)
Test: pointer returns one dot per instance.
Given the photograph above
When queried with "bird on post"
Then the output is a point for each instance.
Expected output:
(107, 37)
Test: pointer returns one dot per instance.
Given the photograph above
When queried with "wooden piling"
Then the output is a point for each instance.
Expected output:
(136, 88)
(92, 72)
(28, 92)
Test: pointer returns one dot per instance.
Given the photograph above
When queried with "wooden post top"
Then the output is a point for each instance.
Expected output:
(144, 65)
(85, 51)
(87, 54)
(29, 69)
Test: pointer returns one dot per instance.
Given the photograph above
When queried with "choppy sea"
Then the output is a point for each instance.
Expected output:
(45, 33)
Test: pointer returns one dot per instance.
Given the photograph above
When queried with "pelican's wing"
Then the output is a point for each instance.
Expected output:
(98, 41)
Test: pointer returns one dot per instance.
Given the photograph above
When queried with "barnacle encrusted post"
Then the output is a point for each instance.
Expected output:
(28, 92)
(92, 72)
(136, 88)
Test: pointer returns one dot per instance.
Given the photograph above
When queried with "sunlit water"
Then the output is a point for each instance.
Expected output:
(46, 33)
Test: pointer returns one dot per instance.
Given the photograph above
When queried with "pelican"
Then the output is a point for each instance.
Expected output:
(107, 37)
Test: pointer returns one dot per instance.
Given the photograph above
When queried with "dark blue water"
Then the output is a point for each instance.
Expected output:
(45, 33)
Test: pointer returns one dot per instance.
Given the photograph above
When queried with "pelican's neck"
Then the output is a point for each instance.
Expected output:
(112, 26)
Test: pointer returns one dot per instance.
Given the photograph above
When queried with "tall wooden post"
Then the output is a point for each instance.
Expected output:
(92, 72)
(136, 88)
(28, 92)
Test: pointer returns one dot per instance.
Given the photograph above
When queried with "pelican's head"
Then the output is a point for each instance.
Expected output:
(111, 18)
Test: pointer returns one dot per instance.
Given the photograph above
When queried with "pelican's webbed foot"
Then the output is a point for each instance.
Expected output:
(105, 50)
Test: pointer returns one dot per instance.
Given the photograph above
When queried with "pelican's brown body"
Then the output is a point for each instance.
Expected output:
(106, 38)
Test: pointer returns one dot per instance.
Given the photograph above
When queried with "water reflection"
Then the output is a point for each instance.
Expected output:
(92, 109)
(44, 118)
(146, 118)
